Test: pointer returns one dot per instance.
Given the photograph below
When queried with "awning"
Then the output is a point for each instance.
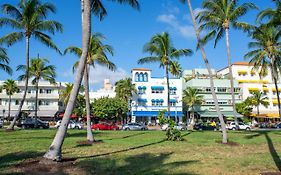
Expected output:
(157, 87)
(214, 114)
(173, 100)
(173, 88)
(253, 89)
(155, 113)
(242, 71)
(274, 89)
(142, 100)
(141, 87)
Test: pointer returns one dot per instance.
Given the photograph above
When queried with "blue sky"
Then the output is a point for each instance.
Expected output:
(127, 30)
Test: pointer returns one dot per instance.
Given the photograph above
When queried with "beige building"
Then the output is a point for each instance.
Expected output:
(106, 91)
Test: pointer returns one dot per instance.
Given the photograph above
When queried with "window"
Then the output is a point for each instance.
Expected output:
(141, 89)
(236, 89)
(49, 91)
(221, 89)
(145, 78)
(173, 103)
(137, 77)
(41, 91)
(17, 102)
(29, 91)
(157, 102)
(208, 89)
(141, 77)
(157, 91)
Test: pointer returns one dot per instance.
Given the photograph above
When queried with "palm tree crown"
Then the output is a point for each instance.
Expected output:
(4, 61)
(10, 86)
(274, 15)
(219, 15)
(125, 89)
(258, 98)
(29, 19)
(191, 97)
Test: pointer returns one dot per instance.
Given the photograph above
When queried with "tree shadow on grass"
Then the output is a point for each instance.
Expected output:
(144, 164)
(14, 158)
(127, 136)
(271, 147)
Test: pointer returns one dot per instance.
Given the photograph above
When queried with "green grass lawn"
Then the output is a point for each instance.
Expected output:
(147, 152)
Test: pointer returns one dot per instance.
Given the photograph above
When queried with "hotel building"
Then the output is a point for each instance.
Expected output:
(48, 100)
(249, 80)
(106, 91)
(199, 79)
(152, 94)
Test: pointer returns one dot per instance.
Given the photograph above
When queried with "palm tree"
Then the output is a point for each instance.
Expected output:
(217, 17)
(96, 55)
(4, 61)
(258, 98)
(38, 70)
(10, 86)
(274, 15)
(124, 90)
(175, 69)
(206, 61)
(65, 93)
(162, 51)
(266, 53)
(29, 18)
(54, 152)
(192, 99)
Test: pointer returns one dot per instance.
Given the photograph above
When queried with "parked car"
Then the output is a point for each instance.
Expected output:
(1, 123)
(202, 126)
(30, 123)
(104, 126)
(72, 125)
(180, 127)
(242, 126)
(134, 126)
(277, 125)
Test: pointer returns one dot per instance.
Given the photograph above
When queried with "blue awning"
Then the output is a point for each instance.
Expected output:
(173, 100)
(157, 87)
(142, 100)
(161, 100)
(141, 87)
(155, 113)
(153, 100)
(144, 87)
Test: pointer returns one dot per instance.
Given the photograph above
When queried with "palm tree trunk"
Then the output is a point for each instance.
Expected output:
(231, 77)
(54, 152)
(224, 133)
(168, 90)
(90, 137)
(18, 114)
(9, 108)
(258, 110)
(36, 102)
(274, 76)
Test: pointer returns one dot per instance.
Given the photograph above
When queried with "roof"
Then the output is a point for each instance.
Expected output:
(239, 63)
(141, 69)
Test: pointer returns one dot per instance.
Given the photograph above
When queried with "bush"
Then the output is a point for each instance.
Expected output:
(173, 134)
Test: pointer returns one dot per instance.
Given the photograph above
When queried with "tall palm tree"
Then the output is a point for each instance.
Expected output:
(29, 19)
(162, 51)
(124, 90)
(266, 53)
(274, 15)
(10, 86)
(218, 16)
(54, 152)
(258, 98)
(38, 70)
(192, 99)
(4, 61)
(96, 55)
(206, 61)
(175, 68)
(65, 93)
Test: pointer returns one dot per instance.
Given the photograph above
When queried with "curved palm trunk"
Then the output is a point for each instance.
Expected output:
(224, 133)
(168, 91)
(54, 152)
(36, 103)
(258, 110)
(231, 77)
(9, 108)
(274, 75)
(12, 125)
(90, 137)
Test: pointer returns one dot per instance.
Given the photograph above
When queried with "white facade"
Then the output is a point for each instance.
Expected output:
(48, 99)
(107, 91)
(152, 95)
(249, 80)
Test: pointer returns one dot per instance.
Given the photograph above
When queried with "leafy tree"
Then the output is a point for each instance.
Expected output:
(244, 108)
(125, 89)
(80, 106)
(29, 19)
(38, 70)
(274, 15)
(4, 61)
(192, 99)
(97, 55)
(10, 86)
(265, 53)
(258, 98)
(54, 152)
(206, 61)
(162, 51)
(217, 17)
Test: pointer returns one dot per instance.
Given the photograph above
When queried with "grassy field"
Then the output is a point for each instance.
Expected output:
(146, 152)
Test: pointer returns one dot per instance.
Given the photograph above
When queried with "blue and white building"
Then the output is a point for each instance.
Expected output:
(152, 95)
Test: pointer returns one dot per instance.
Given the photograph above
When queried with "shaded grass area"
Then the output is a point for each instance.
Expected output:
(146, 152)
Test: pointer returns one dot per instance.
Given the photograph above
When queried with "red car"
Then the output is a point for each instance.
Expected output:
(104, 126)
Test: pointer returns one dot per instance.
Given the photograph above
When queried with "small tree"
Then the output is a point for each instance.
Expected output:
(258, 98)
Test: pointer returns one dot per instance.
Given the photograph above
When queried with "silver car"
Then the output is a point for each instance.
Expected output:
(134, 126)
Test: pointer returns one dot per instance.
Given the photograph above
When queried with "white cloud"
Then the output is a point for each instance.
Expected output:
(186, 31)
(99, 73)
